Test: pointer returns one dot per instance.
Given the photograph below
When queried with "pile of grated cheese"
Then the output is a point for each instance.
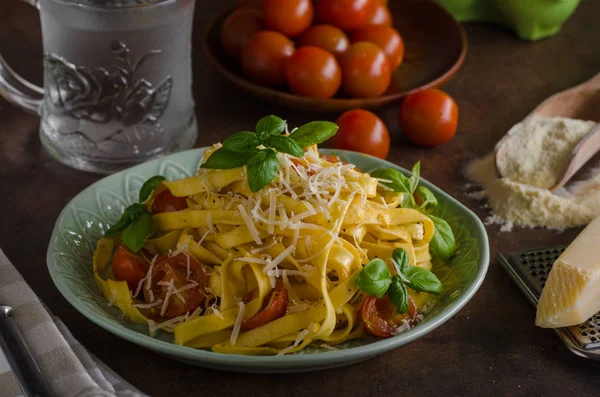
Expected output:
(537, 152)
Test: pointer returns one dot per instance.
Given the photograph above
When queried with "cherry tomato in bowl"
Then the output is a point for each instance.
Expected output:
(366, 70)
(274, 309)
(380, 16)
(379, 316)
(428, 118)
(264, 56)
(346, 14)
(361, 131)
(386, 38)
(313, 72)
(186, 275)
(166, 202)
(239, 27)
(128, 266)
(290, 17)
(328, 37)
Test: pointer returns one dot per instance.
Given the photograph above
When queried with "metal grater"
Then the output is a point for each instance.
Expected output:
(530, 269)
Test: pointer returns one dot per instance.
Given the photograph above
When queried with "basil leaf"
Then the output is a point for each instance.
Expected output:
(285, 144)
(398, 182)
(138, 232)
(427, 200)
(375, 278)
(130, 214)
(270, 125)
(400, 260)
(413, 181)
(241, 142)
(314, 133)
(442, 244)
(398, 294)
(423, 280)
(262, 169)
(224, 159)
(149, 186)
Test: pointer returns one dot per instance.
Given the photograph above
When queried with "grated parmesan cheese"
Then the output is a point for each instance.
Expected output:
(301, 335)
(249, 224)
(238, 323)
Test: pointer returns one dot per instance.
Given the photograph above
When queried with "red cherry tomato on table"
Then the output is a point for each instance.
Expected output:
(386, 38)
(264, 56)
(313, 72)
(362, 131)
(366, 70)
(275, 309)
(327, 37)
(345, 14)
(290, 17)
(176, 268)
(166, 202)
(380, 16)
(130, 267)
(379, 316)
(239, 27)
(429, 117)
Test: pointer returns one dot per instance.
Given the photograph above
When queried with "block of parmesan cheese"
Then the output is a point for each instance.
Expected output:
(572, 292)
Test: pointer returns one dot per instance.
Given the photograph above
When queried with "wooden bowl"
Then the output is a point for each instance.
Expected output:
(435, 48)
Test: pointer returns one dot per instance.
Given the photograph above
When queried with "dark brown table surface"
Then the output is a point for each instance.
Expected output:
(490, 347)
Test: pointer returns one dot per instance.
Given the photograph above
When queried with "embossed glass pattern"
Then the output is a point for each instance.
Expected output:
(117, 81)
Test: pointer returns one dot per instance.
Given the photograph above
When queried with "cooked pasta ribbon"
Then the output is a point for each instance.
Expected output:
(313, 228)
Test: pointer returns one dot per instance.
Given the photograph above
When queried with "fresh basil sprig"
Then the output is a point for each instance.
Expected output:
(136, 221)
(442, 244)
(257, 150)
(399, 182)
(375, 279)
(422, 199)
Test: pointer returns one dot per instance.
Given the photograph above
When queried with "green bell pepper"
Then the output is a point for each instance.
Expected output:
(530, 19)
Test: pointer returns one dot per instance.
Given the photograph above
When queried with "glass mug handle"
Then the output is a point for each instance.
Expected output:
(16, 89)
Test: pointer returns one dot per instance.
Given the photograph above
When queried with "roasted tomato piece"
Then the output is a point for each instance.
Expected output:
(180, 279)
(380, 318)
(128, 266)
(275, 308)
(166, 202)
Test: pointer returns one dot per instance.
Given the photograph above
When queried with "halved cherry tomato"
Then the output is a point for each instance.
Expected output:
(380, 317)
(327, 37)
(366, 70)
(345, 14)
(429, 117)
(275, 308)
(175, 268)
(239, 27)
(130, 267)
(166, 202)
(290, 17)
(362, 131)
(313, 72)
(380, 16)
(264, 56)
(386, 38)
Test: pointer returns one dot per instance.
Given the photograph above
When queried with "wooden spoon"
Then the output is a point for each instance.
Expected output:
(580, 102)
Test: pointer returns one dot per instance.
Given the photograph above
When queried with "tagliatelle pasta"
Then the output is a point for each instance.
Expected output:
(300, 242)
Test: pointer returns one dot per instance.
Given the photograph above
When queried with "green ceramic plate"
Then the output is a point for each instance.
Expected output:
(87, 216)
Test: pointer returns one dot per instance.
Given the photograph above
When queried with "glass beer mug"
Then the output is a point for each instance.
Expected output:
(117, 81)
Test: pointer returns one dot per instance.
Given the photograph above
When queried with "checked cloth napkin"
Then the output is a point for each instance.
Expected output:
(68, 366)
